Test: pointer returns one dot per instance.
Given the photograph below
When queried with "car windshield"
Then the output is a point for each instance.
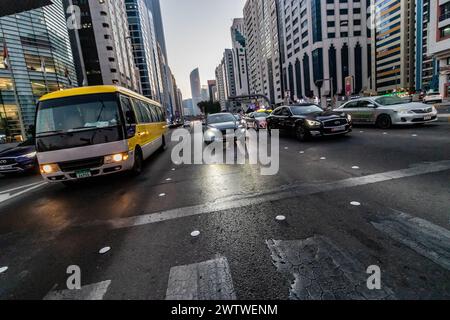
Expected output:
(433, 93)
(77, 114)
(390, 101)
(302, 110)
(219, 118)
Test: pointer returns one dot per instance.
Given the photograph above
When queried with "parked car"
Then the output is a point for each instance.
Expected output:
(256, 120)
(387, 111)
(21, 158)
(433, 97)
(309, 120)
(187, 124)
(222, 126)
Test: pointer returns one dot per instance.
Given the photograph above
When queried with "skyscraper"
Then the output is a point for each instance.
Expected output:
(394, 45)
(38, 55)
(106, 45)
(155, 8)
(212, 89)
(322, 45)
(263, 49)
(144, 47)
(196, 90)
(239, 57)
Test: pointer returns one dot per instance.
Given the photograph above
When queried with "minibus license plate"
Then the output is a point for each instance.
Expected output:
(83, 174)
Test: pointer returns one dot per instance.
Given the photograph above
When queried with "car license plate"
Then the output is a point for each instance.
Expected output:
(426, 118)
(5, 167)
(337, 129)
(83, 174)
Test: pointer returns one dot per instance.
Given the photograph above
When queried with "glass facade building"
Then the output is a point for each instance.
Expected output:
(37, 48)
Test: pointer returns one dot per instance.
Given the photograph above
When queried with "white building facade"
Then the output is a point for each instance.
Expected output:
(323, 43)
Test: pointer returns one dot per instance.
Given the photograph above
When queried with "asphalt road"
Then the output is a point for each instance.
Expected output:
(322, 249)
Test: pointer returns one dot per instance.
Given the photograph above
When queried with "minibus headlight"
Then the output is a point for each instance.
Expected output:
(118, 157)
(49, 168)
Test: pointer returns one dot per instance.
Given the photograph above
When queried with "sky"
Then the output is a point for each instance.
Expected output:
(197, 32)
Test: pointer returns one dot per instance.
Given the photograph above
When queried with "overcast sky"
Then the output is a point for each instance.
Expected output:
(197, 32)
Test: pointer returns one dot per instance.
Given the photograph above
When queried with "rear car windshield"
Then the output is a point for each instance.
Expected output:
(301, 110)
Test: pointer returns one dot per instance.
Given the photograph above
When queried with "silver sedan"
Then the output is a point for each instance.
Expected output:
(387, 111)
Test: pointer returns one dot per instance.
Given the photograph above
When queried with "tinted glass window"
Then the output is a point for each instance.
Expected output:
(301, 110)
(130, 117)
(142, 112)
(351, 105)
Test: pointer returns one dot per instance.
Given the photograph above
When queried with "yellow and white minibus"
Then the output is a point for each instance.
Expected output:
(93, 131)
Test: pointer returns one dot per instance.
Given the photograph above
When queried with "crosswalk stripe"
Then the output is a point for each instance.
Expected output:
(424, 237)
(94, 291)
(208, 280)
(322, 271)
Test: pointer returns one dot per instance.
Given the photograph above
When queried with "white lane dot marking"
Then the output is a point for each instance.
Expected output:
(173, 169)
(361, 132)
(104, 250)
(355, 203)
(162, 195)
(385, 133)
(286, 148)
(302, 152)
(355, 167)
(323, 158)
(3, 269)
(414, 135)
(280, 218)
(169, 179)
(195, 233)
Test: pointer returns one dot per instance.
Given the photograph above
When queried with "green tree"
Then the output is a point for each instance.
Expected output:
(209, 107)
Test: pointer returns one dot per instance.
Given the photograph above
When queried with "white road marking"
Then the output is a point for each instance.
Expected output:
(104, 250)
(424, 237)
(284, 192)
(3, 269)
(323, 158)
(162, 195)
(355, 203)
(6, 195)
(302, 152)
(385, 133)
(209, 280)
(21, 187)
(94, 291)
(195, 233)
(168, 179)
(414, 135)
(355, 167)
(280, 218)
(319, 270)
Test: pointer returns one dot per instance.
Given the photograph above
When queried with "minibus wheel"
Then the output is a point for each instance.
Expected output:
(138, 160)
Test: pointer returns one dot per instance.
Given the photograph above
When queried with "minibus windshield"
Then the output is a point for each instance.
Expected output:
(77, 113)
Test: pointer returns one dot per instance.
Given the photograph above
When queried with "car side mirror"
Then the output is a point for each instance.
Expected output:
(372, 106)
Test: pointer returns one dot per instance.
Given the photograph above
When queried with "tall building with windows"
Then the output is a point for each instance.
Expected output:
(105, 44)
(394, 45)
(144, 47)
(323, 43)
(35, 59)
(263, 49)
(155, 9)
(222, 91)
(196, 90)
(439, 42)
(239, 56)
(212, 90)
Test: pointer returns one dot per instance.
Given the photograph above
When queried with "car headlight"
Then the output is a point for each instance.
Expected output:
(313, 123)
(49, 168)
(349, 117)
(404, 111)
(115, 158)
(30, 155)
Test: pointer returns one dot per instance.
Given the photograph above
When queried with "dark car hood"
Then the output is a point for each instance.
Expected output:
(325, 116)
(17, 151)
(223, 125)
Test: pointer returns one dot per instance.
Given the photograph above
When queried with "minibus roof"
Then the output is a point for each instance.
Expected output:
(93, 90)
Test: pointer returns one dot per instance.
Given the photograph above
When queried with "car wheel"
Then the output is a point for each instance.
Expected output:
(301, 133)
(138, 160)
(384, 122)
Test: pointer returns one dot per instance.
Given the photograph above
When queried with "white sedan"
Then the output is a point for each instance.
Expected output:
(387, 111)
